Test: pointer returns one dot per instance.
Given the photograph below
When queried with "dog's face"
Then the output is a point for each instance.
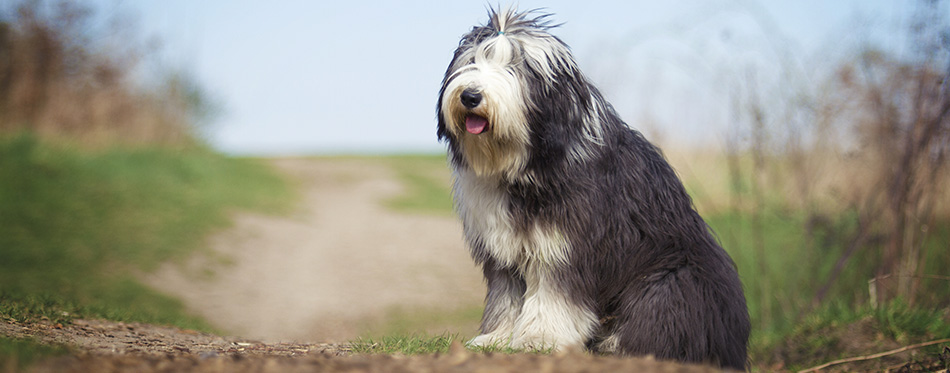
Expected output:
(495, 90)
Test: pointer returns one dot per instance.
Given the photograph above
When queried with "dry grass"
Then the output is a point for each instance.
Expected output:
(64, 75)
(825, 182)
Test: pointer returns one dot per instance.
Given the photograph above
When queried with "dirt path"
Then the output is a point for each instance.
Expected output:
(108, 338)
(334, 266)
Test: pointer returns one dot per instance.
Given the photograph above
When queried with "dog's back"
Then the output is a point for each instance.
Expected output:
(663, 285)
(678, 294)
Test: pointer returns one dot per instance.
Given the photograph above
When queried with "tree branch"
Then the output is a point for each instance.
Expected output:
(875, 356)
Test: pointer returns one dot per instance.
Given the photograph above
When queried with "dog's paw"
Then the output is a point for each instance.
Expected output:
(488, 341)
(546, 342)
(534, 343)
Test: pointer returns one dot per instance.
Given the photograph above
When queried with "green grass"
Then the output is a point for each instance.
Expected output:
(407, 321)
(427, 183)
(17, 353)
(76, 225)
(412, 344)
(839, 330)
(505, 349)
(416, 344)
(780, 285)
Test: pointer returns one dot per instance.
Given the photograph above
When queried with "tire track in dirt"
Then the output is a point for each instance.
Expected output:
(340, 261)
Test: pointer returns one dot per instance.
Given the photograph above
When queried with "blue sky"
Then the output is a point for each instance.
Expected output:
(362, 76)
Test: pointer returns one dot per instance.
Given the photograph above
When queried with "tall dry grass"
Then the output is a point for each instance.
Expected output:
(67, 73)
(863, 155)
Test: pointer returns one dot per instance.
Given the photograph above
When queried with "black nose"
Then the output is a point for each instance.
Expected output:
(471, 99)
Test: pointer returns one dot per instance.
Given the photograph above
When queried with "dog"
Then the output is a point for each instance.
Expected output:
(584, 233)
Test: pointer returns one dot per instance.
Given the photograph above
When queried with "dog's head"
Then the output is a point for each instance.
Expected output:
(509, 81)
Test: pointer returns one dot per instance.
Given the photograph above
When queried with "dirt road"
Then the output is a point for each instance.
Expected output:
(339, 263)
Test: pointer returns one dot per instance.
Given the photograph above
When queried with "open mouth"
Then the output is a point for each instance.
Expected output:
(475, 124)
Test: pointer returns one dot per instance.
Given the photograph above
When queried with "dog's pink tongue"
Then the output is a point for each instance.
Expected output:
(475, 124)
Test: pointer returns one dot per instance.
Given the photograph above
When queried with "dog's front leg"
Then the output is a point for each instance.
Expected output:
(549, 317)
(502, 305)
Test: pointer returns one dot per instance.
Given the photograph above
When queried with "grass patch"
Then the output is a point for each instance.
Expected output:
(76, 225)
(427, 183)
(18, 353)
(416, 344)
(793, 257)
(406, 321)
(840, 331)
(779, 285)
(505, 349)
(413, 344)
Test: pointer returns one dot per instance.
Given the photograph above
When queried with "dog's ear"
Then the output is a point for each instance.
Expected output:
(558, 107)
(442, 132)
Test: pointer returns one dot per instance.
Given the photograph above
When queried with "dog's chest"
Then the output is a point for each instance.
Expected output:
(485, 210)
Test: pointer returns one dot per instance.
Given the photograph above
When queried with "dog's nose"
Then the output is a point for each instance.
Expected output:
(470, 98)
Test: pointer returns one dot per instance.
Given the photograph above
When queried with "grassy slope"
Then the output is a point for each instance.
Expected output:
(76, 225)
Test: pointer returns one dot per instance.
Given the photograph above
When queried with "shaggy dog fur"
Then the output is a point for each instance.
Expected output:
(584, 232)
